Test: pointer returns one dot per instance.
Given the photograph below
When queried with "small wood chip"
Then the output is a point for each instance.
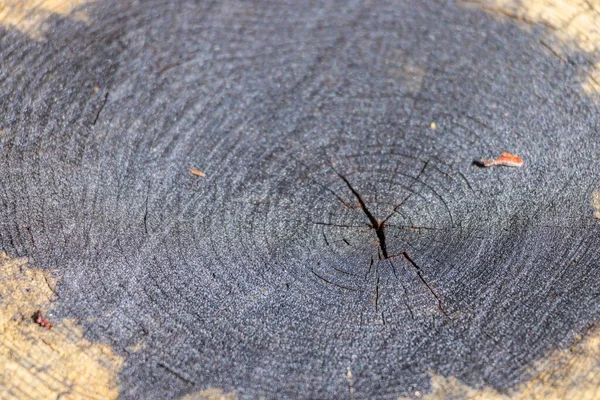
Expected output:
(505, 159)
(41, 321)
(596, 203)
(196, 172)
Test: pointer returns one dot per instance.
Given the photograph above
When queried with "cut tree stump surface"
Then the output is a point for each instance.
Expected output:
(336, 239)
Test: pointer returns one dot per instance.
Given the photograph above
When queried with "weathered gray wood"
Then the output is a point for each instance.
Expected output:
(312, 123)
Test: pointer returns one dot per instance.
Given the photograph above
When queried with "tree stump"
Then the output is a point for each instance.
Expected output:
(208, 200)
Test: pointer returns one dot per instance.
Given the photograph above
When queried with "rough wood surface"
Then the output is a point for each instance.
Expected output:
(339, 241)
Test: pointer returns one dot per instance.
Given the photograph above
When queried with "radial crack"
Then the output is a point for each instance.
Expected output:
(376, 225)
(410, 194)
(377, 294)
(420, 275)
(101, 108)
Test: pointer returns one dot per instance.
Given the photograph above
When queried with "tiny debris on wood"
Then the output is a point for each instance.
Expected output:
(196, 172)
(350, 379)
(596, 203)
(505, 159)
(41, 321)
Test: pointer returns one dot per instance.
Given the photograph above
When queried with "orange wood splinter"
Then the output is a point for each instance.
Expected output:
(505, 159)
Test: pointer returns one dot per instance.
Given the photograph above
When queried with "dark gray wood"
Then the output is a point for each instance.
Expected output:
(312, 123)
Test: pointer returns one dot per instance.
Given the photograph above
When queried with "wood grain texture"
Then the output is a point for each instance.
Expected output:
(51, 360)
(342, 244)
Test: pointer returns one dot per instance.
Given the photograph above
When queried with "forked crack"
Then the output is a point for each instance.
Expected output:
(378, 226)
